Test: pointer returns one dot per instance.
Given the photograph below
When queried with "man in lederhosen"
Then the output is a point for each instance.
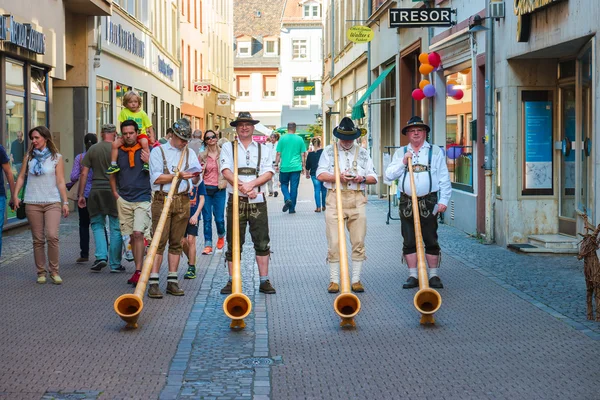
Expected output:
(431, 176)
(356, 171)
(255, 169)
(163, 167)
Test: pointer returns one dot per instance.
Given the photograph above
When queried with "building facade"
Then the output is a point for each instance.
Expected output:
(301, 63)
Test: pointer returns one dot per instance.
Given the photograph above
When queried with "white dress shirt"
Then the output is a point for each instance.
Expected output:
(172, 155)
(364, 165)
(440, 179)
(247, 158)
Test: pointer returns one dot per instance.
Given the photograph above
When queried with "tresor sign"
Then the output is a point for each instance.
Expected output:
(416, 17)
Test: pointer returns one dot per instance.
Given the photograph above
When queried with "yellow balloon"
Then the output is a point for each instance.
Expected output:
(425, 69)
(424, 58)
(423, 83)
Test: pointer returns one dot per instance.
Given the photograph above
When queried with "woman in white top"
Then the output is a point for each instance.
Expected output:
(44, 192)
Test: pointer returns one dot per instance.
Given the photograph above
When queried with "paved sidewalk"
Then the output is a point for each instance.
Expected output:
(510, 326)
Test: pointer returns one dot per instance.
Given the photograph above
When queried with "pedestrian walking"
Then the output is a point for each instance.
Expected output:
(431, 179)
(255, 169)
(45, 190)
(5, 161)
(312, 163)
(196, 143)
(163, 167)
(356, 172)
(214, 204)
(197, 194)
(273, 184)
(130, 187)
(101, 203)
(84, 216)
(291, 159)
(133, 111)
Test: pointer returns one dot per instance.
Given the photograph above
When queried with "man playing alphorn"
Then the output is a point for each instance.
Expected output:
(356, 171)
(431, 177)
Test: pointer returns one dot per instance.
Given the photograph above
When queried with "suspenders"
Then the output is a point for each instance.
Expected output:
(247, 171)
(428, 167)
(166, 168)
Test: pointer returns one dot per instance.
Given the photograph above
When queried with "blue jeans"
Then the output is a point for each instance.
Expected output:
(289, 186)
(116, 240)
(214, 206)
(2, 212)
(320, 191)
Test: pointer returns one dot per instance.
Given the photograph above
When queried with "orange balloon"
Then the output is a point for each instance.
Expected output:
(424, 58)
(423, 83)
(425, 69)
(452, 82)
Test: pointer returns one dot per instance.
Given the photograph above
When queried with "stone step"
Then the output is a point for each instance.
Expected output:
(554, 241)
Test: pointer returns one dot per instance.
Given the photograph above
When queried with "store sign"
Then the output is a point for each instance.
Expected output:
(22, 35)
(360, 34)
(201, 87)
(165, 68)
(223, 99)
(304, 88)
(418, 17)
(125, 39)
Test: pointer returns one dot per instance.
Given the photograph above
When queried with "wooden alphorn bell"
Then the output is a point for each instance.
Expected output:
(346, 304)
(129, 306)
(427, 301)
(237, 305)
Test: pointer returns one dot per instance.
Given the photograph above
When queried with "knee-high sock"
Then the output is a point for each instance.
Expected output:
(334, 272)
(356, 270)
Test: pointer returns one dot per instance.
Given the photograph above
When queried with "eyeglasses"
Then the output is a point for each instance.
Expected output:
(210, 137)
(415, 130)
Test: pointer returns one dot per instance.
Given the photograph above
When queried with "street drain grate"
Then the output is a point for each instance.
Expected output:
(257, 362)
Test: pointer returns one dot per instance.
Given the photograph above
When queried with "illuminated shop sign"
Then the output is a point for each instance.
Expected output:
(22, 35)
(165, 68)
(124, 39)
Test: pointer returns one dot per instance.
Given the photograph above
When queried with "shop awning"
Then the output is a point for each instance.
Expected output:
(357, 111)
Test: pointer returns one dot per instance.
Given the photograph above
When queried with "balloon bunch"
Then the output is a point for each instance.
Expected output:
(429, 63)
(456, 94)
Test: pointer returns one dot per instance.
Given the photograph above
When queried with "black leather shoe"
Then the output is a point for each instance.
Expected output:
(286, 205)
(411, 282)
(435, 283)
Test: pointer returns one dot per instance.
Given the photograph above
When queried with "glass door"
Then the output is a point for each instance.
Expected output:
(567, 160)
(585, 200)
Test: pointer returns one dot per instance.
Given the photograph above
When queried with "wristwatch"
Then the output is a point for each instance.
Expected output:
(364, 179)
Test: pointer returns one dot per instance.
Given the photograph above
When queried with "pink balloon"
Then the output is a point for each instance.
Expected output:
(434, 59)
(418, 94)
(458, 95)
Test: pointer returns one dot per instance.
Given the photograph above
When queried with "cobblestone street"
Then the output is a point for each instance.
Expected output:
(511, 326)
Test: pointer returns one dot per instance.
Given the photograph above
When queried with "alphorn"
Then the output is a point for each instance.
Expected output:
(237, 305)
(427, 301)
(346, 304)
(129, 306)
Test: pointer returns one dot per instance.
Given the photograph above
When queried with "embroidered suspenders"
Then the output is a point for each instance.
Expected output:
(427, 168)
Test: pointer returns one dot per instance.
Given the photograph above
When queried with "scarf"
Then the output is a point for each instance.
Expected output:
(39, 157)
(131, 150)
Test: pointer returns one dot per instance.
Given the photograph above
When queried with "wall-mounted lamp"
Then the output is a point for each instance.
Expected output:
(9, 107)
(475, 24)
(330, 104)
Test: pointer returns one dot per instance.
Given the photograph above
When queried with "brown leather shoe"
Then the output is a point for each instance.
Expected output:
(318, 209)
(357, 287)
(173, 289)
(227, 288)
(154, 292)
(266, 287)
(333, 287)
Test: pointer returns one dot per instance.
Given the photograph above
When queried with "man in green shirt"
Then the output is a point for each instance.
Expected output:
(291, 159)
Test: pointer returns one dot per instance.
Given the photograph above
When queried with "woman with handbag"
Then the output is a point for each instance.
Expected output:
(84, 217)
(44, 192)
(214, 201)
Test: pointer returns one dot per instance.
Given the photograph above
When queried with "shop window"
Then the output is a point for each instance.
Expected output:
(154, 114)
(537, 127)
(120, 90)
(459, 146)
(162, 119)
(498, 153)
(103, 103)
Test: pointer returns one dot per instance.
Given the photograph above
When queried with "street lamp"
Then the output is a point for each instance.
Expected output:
(330, 104)
(9, 107)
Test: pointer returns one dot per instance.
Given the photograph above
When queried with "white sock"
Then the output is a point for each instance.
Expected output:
(433, 272)
(356, 270)
(413, 272)
(113, 163)
(334, 272)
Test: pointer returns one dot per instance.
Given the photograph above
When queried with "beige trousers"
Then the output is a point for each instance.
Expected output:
(355, 218)
(44, 220)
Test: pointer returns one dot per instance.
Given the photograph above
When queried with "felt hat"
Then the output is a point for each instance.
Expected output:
(244, 116)
(182, 129)
(415, 121)
(346, 130)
